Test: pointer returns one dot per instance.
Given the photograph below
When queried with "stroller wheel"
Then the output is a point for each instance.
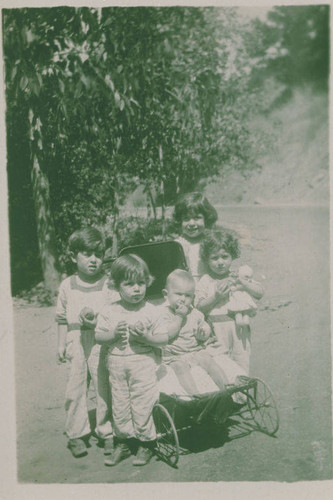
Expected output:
(167, 444)
(262, 406)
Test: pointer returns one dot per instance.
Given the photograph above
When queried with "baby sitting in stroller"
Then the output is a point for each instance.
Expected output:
(188, 333)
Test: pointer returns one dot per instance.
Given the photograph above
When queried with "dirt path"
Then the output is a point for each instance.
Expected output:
(291, 351)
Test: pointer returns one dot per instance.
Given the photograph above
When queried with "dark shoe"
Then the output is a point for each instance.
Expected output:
(108, 446)
(77, 447)
(120, 452)
(143, 456)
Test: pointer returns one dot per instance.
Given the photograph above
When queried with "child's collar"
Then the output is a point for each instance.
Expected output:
(132, 307)
(78, 284)
(216, 277)
(193, 242)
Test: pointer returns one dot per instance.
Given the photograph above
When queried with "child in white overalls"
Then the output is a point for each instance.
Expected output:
(81, 296)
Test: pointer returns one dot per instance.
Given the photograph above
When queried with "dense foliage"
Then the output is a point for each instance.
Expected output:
(101, 100)
(293, 45)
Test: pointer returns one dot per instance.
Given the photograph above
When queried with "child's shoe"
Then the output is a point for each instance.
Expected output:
(77, 447)
(120, 452)
(108, 446)
(143, 456)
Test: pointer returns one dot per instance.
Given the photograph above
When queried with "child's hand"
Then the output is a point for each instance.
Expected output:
(234, 282)
(121, 331)
(88, 319)
(183, 310)
(222, 288)
(61, 354)
(236, 288)
(137, 330)
(140, 331)
(202, 333)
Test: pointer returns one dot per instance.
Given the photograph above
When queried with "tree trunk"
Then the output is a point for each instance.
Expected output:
(149, 210)
(160, 150)
(115, 235)
(177, 186)
(151, 200)
(163, 209)
(45, 227)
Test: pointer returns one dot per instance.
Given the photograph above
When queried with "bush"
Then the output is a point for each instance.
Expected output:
(37, 296)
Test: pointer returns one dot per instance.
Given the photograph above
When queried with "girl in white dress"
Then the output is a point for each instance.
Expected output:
(216, 296)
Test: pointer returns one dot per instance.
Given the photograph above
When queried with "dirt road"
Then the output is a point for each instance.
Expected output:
(289, 249)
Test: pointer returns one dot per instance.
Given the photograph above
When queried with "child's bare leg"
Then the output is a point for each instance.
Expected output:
(213, 369)
(239, 319)
(183, 372)
(242, 347)
(246, 320)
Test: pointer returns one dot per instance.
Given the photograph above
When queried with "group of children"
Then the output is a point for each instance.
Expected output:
(113, 336)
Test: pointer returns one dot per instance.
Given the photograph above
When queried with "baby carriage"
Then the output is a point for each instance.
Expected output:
(249, 399)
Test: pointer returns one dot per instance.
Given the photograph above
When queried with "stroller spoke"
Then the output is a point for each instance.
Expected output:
(262, 407)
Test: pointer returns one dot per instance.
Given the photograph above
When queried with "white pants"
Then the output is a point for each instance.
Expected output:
(134, 393)
(87, 361)
(234, 342)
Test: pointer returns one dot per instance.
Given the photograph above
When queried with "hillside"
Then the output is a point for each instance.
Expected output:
(295, 163)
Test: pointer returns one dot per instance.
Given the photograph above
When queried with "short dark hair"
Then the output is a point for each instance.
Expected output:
(130, 267)
(86, 239)
(216, 240)
(192, 204)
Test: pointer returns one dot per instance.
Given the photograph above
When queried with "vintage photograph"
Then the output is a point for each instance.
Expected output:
(168, 209)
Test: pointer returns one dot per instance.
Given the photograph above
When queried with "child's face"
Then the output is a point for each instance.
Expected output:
(219, 262)
(133, 292)
(180, 292)
(193, 226)
(89, 263)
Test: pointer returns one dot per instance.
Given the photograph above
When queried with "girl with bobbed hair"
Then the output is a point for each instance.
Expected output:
(193, 213)
(226, 297)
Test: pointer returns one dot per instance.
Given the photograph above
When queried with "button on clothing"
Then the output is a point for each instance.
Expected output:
(86, 358)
